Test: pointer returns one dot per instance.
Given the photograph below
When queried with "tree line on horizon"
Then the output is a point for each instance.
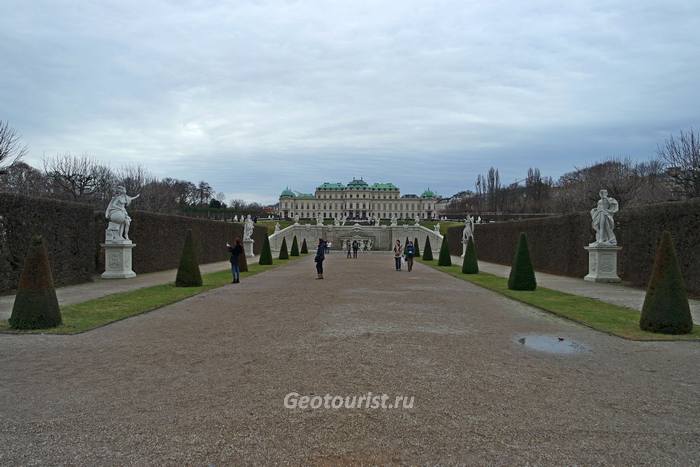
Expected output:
(674, 174)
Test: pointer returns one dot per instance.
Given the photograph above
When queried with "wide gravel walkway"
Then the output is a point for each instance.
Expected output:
(203, 381)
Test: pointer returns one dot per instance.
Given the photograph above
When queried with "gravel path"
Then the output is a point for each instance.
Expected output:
(203, 381)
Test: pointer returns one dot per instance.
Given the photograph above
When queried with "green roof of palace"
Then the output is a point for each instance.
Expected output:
(331, 186)
(384, 186)
(287, 192)
(428, 194)
(355, 183)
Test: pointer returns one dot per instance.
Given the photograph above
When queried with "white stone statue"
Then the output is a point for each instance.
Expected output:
(235, 218)
(478, 221)
(369, 245)
(336, 222)
(376, 221)
(417, 219)
(119, 220)
(394, 221)
(296, 219)
(467, 232)
(437, 227)
(603, 222)
(277, 227)
(248, 228)
(319, 220)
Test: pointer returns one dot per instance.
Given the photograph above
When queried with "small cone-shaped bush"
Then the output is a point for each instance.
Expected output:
(304, 248)
(265, 253)
(444, 259)
(666, 308)
(242, 262)
(470, 265)
(295, 247)
(522, 275)
(188, 274)
(284, 254)
(36, 306)
(405, 245)
(427, 250)
(416, 249)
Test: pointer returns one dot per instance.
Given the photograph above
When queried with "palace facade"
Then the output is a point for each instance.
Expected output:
(357, 200)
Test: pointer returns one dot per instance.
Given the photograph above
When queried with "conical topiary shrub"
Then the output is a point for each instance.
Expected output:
(265, 253)
(295, 247)
(666, 308)
(522, 275)
(284, 254)
(36, 305)
(444, 259)
(304, 248)
(405, 245)
(242, 262)
(416, 249)
(427, 250)
(470, 265)
(188, 274)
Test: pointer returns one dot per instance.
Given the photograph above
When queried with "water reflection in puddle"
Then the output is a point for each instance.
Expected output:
(551, 344)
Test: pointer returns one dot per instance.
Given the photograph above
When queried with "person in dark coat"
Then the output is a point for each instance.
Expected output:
(320, 256)
(355, 247)
(236, 250)
(409, 254)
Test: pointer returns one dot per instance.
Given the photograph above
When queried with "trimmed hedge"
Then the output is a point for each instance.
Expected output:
(666, 309)
(522, 275)
(470, 265)
(416, 247)
(444, 258)
(188, 274)
(295, 247)
(266, 253)
(242, 262)
(556, 243)
(284, 254)
(304, 248)
(427, 250)
(73, 233)
(36, 305)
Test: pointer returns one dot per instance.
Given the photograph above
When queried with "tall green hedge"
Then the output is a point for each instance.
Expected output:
(416, 248)
(188, 274)
(522, 274)
(444, 259)
(470, 264)
(304, 248)
(295, 248)
(284, 254)
(666, 309)
(265, 253)
(242, 262)
(36, 305)
(427, 250)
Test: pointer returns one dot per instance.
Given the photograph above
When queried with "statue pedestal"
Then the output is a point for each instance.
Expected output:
(118, 260)
(602, 263)
(464, 250)
(248, 248)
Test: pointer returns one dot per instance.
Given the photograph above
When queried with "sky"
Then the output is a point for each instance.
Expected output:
(255, 96)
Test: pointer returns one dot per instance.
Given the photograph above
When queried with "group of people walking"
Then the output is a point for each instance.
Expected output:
(402, 254)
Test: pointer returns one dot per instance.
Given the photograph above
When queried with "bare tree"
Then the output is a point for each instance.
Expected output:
(681, 157)
(11, 147)
(79, 178)
(22, 178)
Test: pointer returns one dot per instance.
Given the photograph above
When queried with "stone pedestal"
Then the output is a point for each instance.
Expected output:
(248, 248)
(602, 263)
(118, 260)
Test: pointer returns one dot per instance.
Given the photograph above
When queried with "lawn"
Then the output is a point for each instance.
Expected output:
(81, 317)
(270, 225)
(612, 319)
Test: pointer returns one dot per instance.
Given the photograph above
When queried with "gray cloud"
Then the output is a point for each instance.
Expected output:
(254, 96)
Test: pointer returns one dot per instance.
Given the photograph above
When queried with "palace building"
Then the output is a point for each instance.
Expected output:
(357, 200)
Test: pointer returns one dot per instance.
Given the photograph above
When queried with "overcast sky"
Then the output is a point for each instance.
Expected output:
(254, 96)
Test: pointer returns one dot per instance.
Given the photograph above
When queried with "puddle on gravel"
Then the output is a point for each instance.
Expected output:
(551, 344)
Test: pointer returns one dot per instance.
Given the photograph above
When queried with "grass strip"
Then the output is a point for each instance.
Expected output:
(81, 317)
(612, 319)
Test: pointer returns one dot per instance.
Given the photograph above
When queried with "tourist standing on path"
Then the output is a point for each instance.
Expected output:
(235, 251)
(410, 253)
(320, 256)
(355, 247)
(398, 251)
(349, 249)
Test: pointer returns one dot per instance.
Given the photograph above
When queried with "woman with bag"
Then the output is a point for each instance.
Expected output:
(398, 252)
(320, 256)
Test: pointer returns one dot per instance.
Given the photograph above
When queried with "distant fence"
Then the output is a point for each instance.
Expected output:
(556, 243)
(73, 233)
